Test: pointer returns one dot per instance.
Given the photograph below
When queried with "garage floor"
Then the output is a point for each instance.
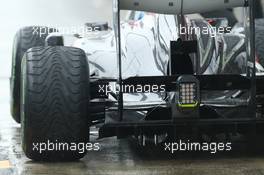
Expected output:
(118, 157)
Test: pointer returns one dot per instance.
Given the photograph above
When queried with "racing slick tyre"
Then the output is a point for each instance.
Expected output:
(25, 39)
(54, 103)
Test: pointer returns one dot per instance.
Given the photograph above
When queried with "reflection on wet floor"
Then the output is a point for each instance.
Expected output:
(118, 156)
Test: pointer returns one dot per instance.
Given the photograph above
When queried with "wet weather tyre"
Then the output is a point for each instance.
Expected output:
(54, 103)
(25, 39)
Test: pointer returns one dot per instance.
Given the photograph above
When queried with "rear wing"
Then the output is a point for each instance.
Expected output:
(179, 6)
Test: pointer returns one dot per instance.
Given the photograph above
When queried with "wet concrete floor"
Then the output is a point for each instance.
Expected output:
(118, 156)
